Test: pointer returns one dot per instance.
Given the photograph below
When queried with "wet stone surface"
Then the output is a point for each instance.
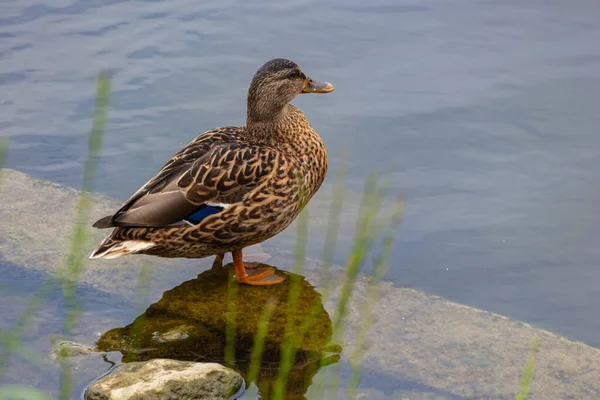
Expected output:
(161, 379)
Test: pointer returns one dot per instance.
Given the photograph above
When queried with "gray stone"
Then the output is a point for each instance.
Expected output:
(40, 240)
(162, 379)
(374, 394)
(465, 351)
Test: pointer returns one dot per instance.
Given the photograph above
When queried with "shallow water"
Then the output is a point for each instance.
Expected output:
(486, 110)
(107, 320)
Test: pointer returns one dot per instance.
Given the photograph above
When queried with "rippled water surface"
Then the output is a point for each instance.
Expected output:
(487, 112)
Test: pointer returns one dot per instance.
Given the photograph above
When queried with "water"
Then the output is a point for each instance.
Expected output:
(33, 366)
(192, 334)
(486, 111)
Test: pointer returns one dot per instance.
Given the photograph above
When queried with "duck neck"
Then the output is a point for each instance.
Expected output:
(278, 128)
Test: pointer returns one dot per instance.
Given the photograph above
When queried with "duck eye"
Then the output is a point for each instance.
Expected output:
(295, 74)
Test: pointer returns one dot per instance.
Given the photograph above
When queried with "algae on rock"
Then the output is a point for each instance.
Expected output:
(190, 323)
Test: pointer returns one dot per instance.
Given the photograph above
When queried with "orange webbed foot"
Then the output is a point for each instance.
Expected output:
(260, 277)
(253, 274)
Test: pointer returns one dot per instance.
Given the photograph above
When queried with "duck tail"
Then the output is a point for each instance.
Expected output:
(113, 248)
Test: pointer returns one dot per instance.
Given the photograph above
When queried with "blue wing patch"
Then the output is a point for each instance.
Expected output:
(203, 212)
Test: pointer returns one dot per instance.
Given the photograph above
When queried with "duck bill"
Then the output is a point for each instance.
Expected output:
(311, 86)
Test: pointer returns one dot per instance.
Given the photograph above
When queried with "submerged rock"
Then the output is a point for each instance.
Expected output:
(66, 348)
(422, 340)
(161, 379)
(191, 322)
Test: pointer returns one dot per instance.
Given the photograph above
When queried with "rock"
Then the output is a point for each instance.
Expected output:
(181, 332)
(376, 394)
(67, 348)
(162, 379)
(43, 243)
(196, 312)
(190, 323)
(464, 352)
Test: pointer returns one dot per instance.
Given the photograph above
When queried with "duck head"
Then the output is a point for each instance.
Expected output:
(274, 85)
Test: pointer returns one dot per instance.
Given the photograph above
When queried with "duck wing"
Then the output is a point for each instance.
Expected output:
(197, 182)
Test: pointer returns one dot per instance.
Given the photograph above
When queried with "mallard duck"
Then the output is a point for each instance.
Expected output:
(231, 187)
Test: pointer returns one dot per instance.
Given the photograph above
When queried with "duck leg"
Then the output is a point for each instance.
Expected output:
(256, 276)
(218, 262)
(221, 256)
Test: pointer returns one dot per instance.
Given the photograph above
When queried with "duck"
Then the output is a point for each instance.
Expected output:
(231, 187)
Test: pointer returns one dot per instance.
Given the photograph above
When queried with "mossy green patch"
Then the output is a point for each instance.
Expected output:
(189, 323)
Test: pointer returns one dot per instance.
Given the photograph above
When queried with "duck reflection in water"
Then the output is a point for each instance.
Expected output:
(191, 322)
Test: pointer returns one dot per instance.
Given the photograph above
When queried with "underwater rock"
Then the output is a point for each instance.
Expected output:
(42, 244)
(178, 333)
(198, 312)
(190, 322)
(70, 349)
(162, 379)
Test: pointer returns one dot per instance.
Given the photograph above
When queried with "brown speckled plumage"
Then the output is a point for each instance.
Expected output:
(264, 173)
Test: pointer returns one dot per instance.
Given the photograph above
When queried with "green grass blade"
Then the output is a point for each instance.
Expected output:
(333, 225)
(18, 392)
(231, 328)
(369, 228)
(74, 266)
(528, 372)
(12, 339)
(366, 234)
(288, 353)
(141, 298)
(367, 306)
(259, 341)
(17, 348)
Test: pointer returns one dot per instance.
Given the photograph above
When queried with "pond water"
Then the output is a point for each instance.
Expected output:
(484, 113)
(176, 325)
